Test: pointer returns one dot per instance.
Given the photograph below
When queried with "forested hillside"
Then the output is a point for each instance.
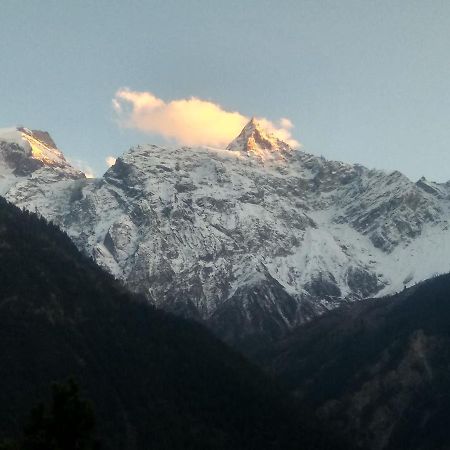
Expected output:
(155, 381)
(378, 370)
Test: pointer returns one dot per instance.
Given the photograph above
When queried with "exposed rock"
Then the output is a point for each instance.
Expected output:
(191, 226)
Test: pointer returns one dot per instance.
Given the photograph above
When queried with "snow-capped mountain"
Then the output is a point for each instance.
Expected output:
(254, 238)
(33, 172)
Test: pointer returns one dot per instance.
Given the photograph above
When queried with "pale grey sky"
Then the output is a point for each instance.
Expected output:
(362, 81)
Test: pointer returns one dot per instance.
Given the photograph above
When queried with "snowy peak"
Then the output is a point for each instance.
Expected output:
(43, 148)
(41, 136)
(256, 140)
(26, 151)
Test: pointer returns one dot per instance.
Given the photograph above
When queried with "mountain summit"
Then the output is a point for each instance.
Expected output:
(24, 151)
(43, 148)
(33, 171)
(256, 140)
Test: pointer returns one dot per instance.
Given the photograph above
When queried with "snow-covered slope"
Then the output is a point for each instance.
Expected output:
(33, 172)
(254, 238)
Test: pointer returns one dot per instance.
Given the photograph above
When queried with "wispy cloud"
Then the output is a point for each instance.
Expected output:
(83, 166)
(190, 121)
(110, 160)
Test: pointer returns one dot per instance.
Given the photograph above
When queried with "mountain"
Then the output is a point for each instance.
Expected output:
(255, 141)
(378, 369)
(34, 172)
(253, 239)
(156, 381)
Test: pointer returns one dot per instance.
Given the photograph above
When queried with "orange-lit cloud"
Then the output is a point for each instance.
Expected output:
(110, 160)
(189, 121)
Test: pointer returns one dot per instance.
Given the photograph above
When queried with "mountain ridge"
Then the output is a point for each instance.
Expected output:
(198, 230)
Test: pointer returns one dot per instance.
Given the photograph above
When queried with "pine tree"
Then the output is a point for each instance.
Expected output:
(67, 424)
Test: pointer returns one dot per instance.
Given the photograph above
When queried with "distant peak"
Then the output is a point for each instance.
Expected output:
(256, 139)
(37, 149)
(41, 136)
(255, 125)
(43, 147)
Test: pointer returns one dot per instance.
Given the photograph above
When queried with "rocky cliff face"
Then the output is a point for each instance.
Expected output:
(252, 239)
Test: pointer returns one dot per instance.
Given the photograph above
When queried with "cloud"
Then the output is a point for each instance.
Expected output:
(83, 166)
(110, 160)
(191, 121)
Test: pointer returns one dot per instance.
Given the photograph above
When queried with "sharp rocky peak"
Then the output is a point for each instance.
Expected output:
(43, 147)
(255, 139)
(25, 151)
(42, 136)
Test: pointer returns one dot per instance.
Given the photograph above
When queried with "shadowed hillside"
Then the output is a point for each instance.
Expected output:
(155, 381)
(378, 370)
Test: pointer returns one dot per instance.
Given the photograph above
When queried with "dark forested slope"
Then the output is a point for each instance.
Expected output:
(155, 381)
(378, 370)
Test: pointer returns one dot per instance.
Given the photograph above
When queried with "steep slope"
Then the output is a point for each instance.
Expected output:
(378, 370)
(253, 239)
(156, 381)
(34, 172)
